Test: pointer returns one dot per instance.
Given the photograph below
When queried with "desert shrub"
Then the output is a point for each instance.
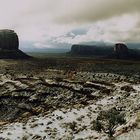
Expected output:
(58, 79)
(106, 91)
(127, 88)
(109, 120)
(96, 125)
(73, 126)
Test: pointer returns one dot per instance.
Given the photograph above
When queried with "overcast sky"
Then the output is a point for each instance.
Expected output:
(47, 23)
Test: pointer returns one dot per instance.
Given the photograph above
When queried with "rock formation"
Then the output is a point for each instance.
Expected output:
(121, 50)
(8, 40)
(82, 49)
(118, 51)
(90, 50)
(9, 45)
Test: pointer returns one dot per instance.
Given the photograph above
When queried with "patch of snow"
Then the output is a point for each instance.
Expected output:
(53, 124)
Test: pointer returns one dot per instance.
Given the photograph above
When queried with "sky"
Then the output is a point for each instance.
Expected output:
(60, 23)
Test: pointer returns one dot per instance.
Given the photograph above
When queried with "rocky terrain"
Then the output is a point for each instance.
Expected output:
(41, 101)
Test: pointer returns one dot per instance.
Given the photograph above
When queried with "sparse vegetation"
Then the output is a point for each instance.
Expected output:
(127, 88)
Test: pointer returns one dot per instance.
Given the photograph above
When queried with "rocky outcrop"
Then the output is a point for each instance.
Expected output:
(9, 45)
(121, 50)
(117, 51)
(8, 40)
(90, 50)
(82, 49)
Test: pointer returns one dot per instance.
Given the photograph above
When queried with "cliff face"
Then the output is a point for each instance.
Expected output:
(9, 45)
(118, 51)
(90, 50)
(8, 40)
(82, 49)
(121, 50)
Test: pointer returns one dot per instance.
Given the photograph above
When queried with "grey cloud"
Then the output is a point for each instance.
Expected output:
(69, 20)
(80, 31)
(94, 10)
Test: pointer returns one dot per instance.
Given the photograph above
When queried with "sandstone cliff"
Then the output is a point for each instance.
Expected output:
(8, 40)
(117, 51)
(9, 45)
(121, 50)
(90, 50)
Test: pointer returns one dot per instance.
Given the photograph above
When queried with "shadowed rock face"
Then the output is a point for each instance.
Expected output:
(90, 50)
(117, 51)
(82, 49)
(9, 45)
(121, 50)
(8, 40)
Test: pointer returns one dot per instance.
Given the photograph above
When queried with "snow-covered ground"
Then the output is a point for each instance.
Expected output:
(60, 124)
